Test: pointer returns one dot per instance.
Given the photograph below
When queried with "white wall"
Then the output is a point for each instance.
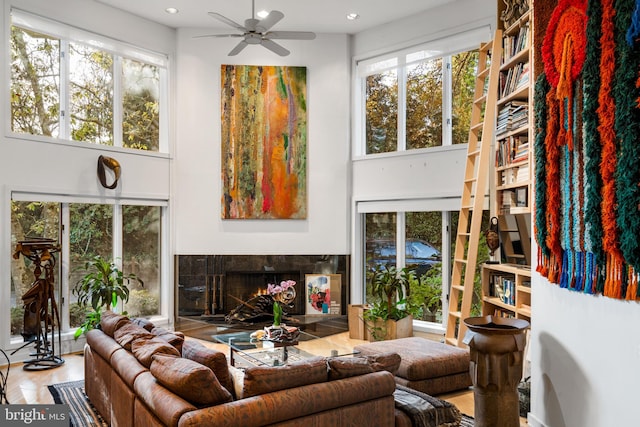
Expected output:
(585, 358)
(29, 164)
(198, 184)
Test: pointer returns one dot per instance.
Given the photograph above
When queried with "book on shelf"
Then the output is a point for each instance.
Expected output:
(513, 78)
(512, 149)
(505, 314)
(504, 289)
(514, 44)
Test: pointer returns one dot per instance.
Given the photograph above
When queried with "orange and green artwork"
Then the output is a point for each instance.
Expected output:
(264, 142)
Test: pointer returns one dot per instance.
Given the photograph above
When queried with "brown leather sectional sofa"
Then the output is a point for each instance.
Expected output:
(139, 375)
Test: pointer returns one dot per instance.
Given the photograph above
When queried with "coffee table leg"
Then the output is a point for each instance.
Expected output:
(231, 361)
(285, 354)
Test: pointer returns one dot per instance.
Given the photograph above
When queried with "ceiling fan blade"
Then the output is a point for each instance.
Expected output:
(269, 21)
(291, 35)
(236, 50)
(275, 47)
(217, 35)
(227, 21)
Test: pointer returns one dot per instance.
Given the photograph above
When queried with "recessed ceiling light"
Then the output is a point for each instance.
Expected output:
(352, 16)
(171, 10)
(262, 14)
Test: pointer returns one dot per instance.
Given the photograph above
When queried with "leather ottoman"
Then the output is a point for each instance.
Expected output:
(427, 366)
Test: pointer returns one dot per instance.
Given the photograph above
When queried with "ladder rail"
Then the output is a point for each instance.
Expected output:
(474, 189)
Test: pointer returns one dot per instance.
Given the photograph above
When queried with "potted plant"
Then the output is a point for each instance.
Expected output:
(391, 315)
(100, 288)
(426, 293)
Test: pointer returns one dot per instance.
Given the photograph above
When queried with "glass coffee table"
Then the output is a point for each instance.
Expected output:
(247, 351)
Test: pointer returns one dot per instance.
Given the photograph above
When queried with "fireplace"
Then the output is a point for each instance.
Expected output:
(216, 284)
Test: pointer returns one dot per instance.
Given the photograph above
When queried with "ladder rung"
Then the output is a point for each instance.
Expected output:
(464, 234)
(484, 72)
(463, 261)
(451, 341)
(455, 314)
(477, 126)
(473, 153)
(510, 230)
(480, 100)
(458, 287)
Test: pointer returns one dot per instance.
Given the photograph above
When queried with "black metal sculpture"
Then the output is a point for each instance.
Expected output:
(41, 316)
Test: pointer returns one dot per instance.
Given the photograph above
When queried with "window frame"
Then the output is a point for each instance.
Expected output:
(166, 295)
(444, 48)
(67, 33)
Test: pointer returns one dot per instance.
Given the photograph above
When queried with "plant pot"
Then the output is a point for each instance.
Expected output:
(380, 330)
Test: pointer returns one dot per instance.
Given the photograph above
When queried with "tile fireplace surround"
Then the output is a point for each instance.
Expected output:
(230, 278)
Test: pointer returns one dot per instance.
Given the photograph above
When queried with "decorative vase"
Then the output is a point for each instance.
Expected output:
(277, 313)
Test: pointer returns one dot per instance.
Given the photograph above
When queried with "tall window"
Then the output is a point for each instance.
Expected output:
(419, 97)
(83, 87)
(89, 229)
(413, 240)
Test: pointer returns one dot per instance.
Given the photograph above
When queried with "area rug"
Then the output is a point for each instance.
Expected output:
(83, 414)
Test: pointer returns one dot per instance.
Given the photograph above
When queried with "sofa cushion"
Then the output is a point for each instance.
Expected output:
(174, 339)
(260, 380)
(130, 332)
(212, 359)
(345, 367)
(190, 380)
(145, 348)
(385, 362)
(110, 322)
(144, 323)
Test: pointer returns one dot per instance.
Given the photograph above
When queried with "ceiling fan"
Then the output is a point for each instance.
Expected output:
(256, 31)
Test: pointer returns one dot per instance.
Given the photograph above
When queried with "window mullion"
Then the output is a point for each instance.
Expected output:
(117, 101)
(447, 102)
(402, 108)
(65, 112)
(117, 234)
(401, 239)
(65, 265)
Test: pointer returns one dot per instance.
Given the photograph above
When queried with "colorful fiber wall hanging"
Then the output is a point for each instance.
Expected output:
(587, 145)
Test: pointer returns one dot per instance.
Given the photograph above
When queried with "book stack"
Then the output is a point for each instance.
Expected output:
(512, 115)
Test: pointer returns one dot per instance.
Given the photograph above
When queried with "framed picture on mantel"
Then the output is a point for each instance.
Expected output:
(323, 294)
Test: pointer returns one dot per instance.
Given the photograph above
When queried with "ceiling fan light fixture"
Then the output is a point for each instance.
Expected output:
(263, 14)
(352, 16)
(258, 32)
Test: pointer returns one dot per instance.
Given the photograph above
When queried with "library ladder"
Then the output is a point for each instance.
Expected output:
(481, 133)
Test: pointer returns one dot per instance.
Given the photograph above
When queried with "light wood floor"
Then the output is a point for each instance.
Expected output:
(27, 387)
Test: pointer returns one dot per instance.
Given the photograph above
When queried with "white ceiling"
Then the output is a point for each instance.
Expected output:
(321, 16)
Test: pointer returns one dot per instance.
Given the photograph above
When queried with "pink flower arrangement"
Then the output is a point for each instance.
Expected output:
(278, 289)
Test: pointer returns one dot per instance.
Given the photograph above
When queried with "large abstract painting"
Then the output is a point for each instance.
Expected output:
(264, 142)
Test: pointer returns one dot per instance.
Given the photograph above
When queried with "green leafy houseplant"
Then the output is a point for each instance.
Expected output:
(426, 293)
(391, 288)
(101, 287)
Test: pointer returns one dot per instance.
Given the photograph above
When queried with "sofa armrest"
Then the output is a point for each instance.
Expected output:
(294, 402)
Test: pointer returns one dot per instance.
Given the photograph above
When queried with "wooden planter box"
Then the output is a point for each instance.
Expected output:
(390, 330)
(357, 328)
